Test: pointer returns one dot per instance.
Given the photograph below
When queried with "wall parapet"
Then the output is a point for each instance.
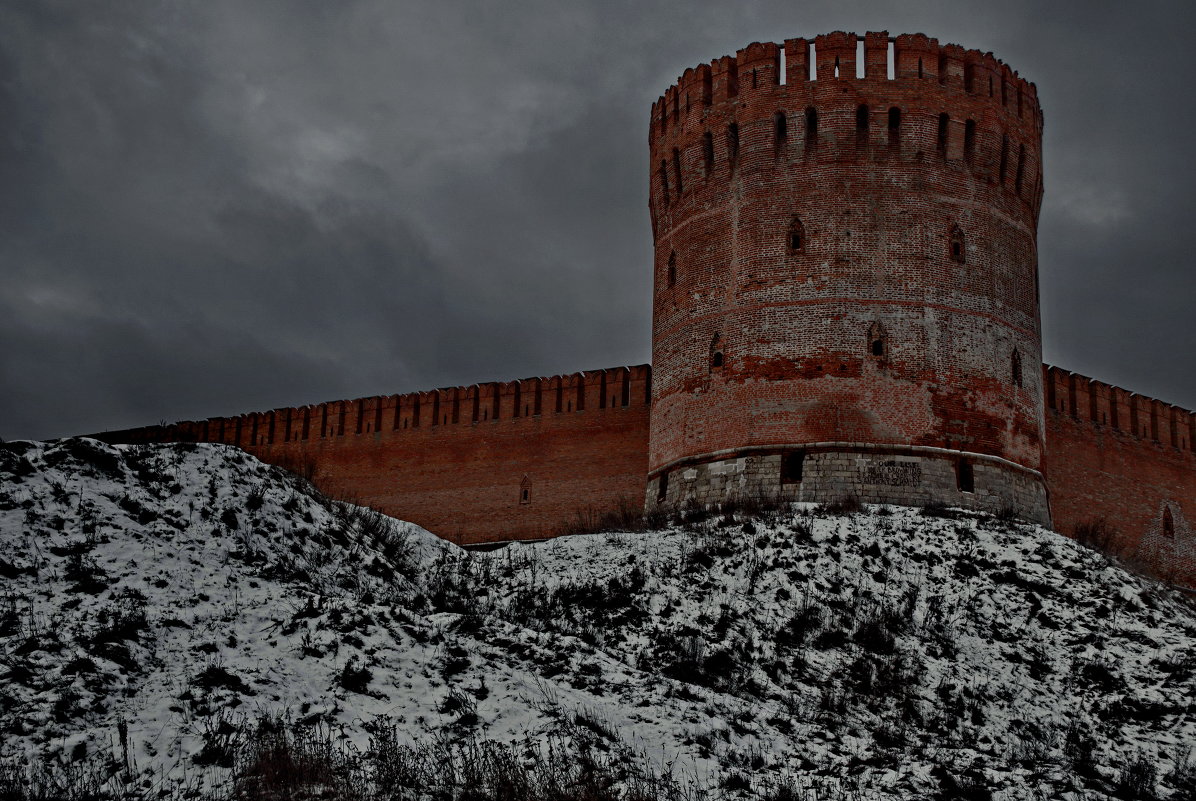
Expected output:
(917, 100)
(1097, 403)
(442, 408)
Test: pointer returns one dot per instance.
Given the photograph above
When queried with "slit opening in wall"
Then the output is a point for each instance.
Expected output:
(964, 476)
(525, 490)
(792, 465)
(797, 236)
(1168, 523)
(662, 487)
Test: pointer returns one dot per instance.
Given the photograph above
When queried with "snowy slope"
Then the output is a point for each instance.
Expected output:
(155, 596)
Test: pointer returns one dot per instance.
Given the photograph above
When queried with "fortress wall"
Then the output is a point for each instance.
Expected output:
(457, 461)
(1129, 460)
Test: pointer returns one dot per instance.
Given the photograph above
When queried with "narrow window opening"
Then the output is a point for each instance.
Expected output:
(944, 122)
(942, 68)
(1019, 101)
(733, 80)
(517, 402)
(476, 414)
(792, 463)
(708, 151)
(625, 397)
(1168, 523)
(1004, 167)
(964, 475)
(495, 402)
(360, 416)
(1016, 367)
(969, 141)
(894, 125)
(525, 490)
(677, 171)
(306, 424)
(1021, 169)
(581, 394)
(811, 129)
(781, 129)
(990, 86)
(664, 182)
(672, 275)
(919, 67)
(560, 396)
(797, 236)
(753, 79)
(969, 78)
(836, 66)
(861, 125)
(340, 423)
(602, 392)
(732, 145)
(876, 340)
(959, 252)
(716, 353)
(378, 414)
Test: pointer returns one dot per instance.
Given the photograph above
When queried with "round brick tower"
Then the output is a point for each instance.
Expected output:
(846, 291)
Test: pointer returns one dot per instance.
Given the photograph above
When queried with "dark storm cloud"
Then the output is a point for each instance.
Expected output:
(208, 208)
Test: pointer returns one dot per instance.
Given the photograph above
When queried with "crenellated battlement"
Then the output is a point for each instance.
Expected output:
(444, 408)
(839, 98)
(1104, 405)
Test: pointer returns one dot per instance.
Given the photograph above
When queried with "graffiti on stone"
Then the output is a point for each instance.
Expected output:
(893, 474)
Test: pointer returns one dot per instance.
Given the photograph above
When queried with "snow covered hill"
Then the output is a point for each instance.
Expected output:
(156, 598)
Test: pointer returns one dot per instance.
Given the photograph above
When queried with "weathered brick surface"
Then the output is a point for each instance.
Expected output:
(1128, 460)
(457, 461)
(914, 202)
(878, 189)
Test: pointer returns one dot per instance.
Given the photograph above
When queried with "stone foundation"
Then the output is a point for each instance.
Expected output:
(908, 476)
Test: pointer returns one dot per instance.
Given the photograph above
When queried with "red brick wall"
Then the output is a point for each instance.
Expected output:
(1128, 460)
(878, 208)
(456, 461)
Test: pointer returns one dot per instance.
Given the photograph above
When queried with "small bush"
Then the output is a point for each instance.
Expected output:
(844, 505)
(355, 678)
(1137, 780)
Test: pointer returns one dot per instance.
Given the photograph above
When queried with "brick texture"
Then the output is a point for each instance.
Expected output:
(457, 461)
(847, 259)
(845, 302)
(1129, 461)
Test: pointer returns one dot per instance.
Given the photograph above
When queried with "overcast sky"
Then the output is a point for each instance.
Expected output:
(208, 207)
